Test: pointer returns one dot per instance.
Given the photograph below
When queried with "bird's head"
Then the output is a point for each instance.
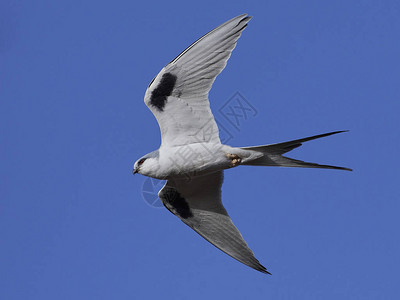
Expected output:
(147, 165)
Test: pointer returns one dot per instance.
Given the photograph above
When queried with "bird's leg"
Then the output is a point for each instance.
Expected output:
(235, 159)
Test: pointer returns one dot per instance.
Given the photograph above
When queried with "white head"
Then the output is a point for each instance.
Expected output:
(147, 165)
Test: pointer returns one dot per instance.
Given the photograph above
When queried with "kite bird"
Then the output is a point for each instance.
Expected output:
(178, 98)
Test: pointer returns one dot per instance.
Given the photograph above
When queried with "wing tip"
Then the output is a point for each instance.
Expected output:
(261, 269)
(244, 18)
(256, 265)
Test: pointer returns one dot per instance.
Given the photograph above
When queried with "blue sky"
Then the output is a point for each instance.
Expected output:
(73, 220)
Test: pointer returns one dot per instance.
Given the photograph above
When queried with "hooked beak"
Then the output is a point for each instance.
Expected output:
(134, 171)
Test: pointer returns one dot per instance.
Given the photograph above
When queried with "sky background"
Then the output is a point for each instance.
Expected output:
(74, 223)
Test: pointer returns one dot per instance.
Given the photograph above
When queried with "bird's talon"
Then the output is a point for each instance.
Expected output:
(235, 159)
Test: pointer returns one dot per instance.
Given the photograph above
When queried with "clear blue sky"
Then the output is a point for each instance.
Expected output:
(73, 222)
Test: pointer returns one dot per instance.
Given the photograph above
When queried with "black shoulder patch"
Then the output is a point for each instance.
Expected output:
(176, 203)
(162, 91)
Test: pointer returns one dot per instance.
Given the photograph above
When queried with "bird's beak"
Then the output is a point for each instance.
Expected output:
(134, 171)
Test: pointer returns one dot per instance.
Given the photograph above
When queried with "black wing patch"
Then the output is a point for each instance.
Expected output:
(162, 91)
(175, 203)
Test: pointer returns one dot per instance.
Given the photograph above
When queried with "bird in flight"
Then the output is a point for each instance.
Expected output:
(191, 157)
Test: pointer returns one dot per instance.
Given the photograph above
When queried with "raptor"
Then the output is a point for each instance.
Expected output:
(178, 98)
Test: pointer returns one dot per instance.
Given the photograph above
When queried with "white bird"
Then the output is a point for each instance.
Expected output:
(191, 157)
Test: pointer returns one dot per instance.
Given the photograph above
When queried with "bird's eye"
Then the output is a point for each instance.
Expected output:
(141, 161)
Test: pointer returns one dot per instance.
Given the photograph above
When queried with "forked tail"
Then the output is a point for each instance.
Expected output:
(273, 154)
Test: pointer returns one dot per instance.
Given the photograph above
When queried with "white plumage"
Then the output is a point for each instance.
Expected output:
(191, 157)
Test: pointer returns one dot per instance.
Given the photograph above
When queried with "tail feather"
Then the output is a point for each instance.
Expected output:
(273, 154)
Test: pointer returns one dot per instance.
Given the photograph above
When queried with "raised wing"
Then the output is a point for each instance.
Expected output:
(197, 202)
(178, 95)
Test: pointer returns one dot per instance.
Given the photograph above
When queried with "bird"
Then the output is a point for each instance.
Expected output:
(191, 157)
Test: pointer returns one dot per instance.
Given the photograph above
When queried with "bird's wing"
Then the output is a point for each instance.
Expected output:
(178, 95)
(197, 202)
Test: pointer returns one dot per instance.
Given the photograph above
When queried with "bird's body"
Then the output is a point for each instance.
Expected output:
(191, 157)
(195, 159)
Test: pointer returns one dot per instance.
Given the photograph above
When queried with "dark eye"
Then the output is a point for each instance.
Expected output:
(141, 161)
